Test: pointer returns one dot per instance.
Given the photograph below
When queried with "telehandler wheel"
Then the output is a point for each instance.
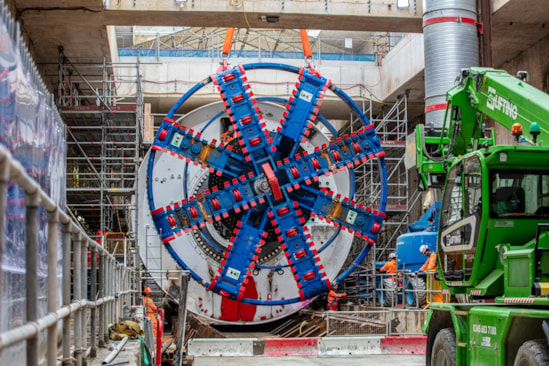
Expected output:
(444, 348)
(388, 297)
(415, 292)
(533, 353)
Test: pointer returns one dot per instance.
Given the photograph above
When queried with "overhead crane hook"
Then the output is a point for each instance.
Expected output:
(307, 52)
(226, 50)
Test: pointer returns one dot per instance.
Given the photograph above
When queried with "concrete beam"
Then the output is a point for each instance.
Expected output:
(516, 26)
(375, 15)
(521, 11)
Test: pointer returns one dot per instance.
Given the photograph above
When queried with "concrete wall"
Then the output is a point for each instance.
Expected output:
(535, 60)
(404, 63)
(171, 77)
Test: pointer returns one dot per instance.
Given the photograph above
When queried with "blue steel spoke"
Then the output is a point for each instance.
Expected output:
(216, 204)
(245, 116)
(288, 221)
(189, 146)
(341, 153)
(240, 258)
(302, 110)
(362, 221)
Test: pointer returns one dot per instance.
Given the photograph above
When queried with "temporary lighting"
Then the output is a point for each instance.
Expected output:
(270, 18)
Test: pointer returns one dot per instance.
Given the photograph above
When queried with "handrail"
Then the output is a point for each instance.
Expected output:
(115, 279)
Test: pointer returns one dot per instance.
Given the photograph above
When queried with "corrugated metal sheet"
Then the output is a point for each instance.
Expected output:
(450, 46)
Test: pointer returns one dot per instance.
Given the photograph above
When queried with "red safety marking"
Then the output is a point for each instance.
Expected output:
(163, 135)
(168, 239)
(435, 107)
(291, 347)
(172, 221)
(449, 19)
(273, 181)
(403, 345)
(157, 211)
(523, 300)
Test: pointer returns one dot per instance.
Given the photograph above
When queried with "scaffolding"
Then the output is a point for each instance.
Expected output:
(391, 125)
(103, 107)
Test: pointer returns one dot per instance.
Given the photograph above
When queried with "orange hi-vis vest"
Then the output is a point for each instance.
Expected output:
(431, 263)
(389, 267)
(148, 304)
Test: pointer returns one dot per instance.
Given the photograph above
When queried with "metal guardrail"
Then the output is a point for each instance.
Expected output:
(109, 287)
(378, 323)
(255, 54)
(407, 293)
(365, 288)
(165, 42)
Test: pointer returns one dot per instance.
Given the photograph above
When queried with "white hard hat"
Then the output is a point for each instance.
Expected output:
(392, 255)
(423, 249)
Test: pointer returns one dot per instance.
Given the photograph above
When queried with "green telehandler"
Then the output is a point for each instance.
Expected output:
(493, 239)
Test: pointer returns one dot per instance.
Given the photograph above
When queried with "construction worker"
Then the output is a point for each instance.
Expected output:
(431, 262)
(333, 299)
(431, 285)
(390, 267)
(150, 309)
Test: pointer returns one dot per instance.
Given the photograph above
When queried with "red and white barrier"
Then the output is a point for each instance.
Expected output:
(312, 346)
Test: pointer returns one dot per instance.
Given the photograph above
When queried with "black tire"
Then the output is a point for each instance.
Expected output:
(533, 353)
(389, 295)
(415, 295)
(444, 348)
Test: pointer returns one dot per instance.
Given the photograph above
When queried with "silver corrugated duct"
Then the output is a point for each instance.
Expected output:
(451, 44)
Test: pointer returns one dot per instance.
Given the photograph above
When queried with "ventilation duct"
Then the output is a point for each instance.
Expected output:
(451, 44)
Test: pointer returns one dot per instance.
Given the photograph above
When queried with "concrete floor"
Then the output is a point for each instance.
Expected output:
(370, 360)
(130, 353)
(131, 350)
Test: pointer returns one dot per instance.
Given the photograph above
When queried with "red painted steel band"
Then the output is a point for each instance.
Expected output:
(449, 19)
